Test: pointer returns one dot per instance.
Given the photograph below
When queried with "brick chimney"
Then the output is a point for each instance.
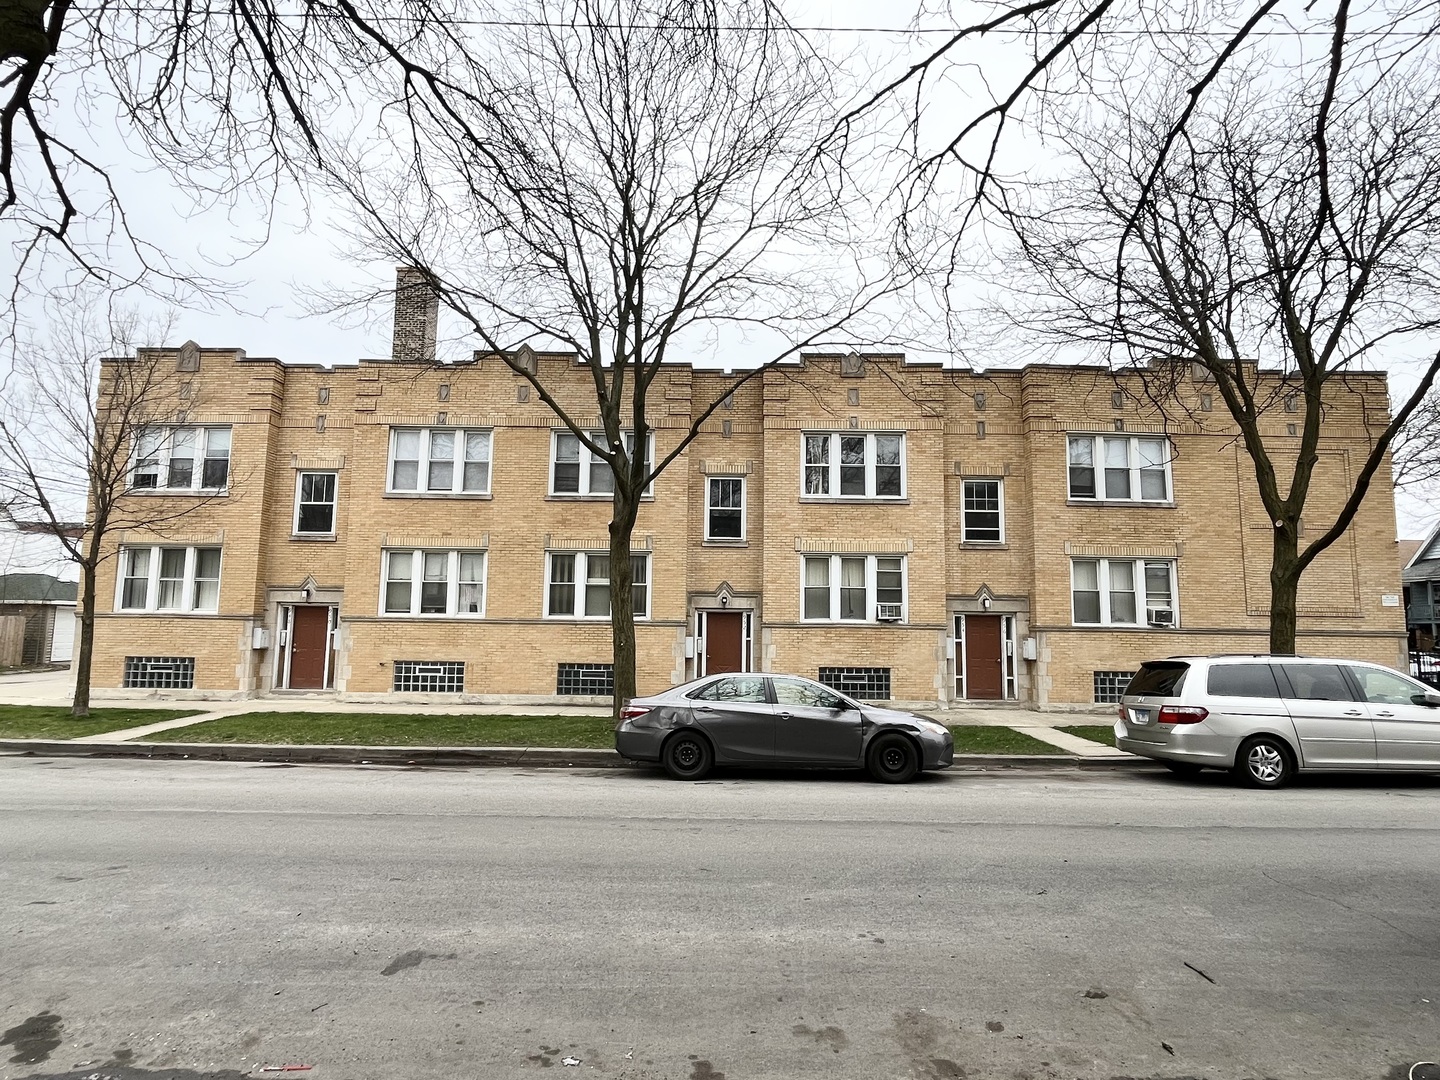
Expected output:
(417, 313)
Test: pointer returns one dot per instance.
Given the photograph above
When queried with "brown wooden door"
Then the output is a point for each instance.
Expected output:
(309, 639)
(984, 662)
(724, 642)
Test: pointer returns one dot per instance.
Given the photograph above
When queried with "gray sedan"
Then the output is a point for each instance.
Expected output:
(749, 719)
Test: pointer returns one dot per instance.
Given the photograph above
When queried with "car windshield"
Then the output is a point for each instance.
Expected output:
(1163, 678)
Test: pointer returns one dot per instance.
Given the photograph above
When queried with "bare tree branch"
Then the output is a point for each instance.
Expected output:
(1287, 236)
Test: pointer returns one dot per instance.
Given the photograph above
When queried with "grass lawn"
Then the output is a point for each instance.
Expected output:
(448, 729)
(399, 729)
(1101, 733)
(971, 739)
(55, 721)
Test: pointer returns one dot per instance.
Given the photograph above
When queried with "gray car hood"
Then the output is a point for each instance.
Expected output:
(888, 716)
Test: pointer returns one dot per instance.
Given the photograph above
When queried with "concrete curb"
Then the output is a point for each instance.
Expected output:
(491, 756)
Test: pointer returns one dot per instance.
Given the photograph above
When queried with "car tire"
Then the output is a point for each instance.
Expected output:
(892, 759)
(687, 755)
(1264, 762)
(1183, 768)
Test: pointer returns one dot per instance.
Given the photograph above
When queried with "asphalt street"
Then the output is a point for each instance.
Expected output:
(197, 919)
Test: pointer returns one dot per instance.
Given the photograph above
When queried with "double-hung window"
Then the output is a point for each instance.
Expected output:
(725, 508)
(1127, 468)
(439, 461)
(181, 459)
(1123, 592)
(421, 582)
(847, 465)
(576, 470)
(315, 503)
(169, 579)
(853, 588)
(982, 512)
(577, 585)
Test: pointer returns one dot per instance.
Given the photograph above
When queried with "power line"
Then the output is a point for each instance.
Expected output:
(894, 31)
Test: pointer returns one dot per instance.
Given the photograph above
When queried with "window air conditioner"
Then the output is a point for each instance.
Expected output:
(1160, 616)
(888, 612)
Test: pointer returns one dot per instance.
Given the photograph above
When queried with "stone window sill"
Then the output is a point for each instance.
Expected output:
(1130, 504)
(467, 496)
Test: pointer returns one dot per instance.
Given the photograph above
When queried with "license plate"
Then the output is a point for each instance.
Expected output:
(1139, 716)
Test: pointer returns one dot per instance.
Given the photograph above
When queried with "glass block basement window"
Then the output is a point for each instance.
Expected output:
(159, 672)
(869, 683)
(596, 679)
(429, 676)
(1110, 686)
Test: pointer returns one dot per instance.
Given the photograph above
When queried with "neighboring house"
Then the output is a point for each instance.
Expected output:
(47, 606)
(902, 531)
(1421, 578)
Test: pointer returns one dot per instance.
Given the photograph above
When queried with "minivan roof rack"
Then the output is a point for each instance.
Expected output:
(1241, 655)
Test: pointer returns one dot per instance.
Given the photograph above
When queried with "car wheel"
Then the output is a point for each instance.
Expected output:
(1183, 768)
(1264, 762)
(893, 759)
(687, 756)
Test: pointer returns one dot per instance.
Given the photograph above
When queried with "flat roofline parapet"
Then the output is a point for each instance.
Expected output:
(794, 363)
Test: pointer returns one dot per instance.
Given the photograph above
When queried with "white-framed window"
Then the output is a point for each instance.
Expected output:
(1130, 468)
(574, 470)
(169, 458)
(577, 585)
(853, 465)
(315, 496)
(853, 588)
(982, 511)
(170, 579)
(725, 508)
(420, 582)
(439, 461)
(1123, 592)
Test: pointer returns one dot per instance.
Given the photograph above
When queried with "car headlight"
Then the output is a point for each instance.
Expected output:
(933, 728)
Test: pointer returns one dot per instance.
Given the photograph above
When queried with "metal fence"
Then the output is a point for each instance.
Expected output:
(1425, 666)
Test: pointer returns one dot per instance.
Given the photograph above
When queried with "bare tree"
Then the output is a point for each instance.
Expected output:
(1417, 450)
(1289, 242)
(67, 432)
(235, 96)
(624, 180)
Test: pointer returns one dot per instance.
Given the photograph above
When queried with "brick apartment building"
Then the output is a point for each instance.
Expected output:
(904, 531)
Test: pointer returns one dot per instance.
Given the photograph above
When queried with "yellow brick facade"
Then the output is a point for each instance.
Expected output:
(1007, 426)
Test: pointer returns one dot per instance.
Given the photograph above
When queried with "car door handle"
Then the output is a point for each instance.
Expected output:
(1353, 712)
(1387, 714)
(784, 716)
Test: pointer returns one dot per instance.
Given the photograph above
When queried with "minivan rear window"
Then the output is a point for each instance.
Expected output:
(1242, 680)
(1161, 678)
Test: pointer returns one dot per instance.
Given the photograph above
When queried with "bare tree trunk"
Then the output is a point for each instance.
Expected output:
(1285, 568)
(80, 706)
(622, 611)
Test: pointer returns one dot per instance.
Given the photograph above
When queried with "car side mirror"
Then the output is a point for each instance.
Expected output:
(1428, 698)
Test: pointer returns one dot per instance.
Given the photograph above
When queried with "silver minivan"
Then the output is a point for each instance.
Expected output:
(1267, 717)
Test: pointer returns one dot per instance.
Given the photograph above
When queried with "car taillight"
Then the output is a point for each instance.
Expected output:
(630, 712)
(1123, 713)
(1182, 714)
